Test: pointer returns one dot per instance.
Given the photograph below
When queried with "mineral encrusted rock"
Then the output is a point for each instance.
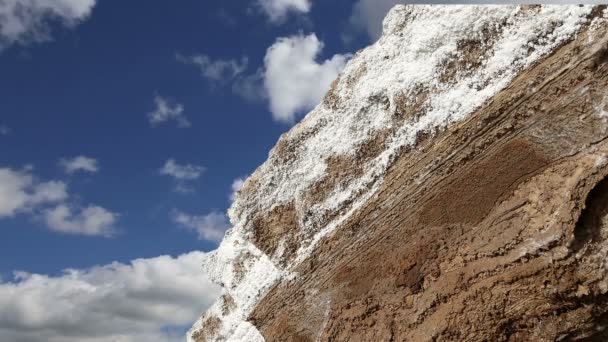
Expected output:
(453, 185)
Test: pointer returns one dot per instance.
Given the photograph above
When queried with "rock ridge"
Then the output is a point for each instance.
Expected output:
(450, 186)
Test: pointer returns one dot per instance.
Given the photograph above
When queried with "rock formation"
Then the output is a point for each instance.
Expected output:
(452, 185)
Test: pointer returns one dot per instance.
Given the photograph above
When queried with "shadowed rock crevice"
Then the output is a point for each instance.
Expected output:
(593, 219)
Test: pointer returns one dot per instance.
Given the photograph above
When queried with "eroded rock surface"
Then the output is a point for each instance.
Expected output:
(479, 219)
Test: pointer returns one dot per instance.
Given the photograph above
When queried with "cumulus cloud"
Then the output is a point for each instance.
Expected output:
(90, 221)
(293, 78)
(25, 21)
(277, 10)
(20, 192)
(210, 227)
(221, 71)
(152, 300)
(80, 163)
(167, 111)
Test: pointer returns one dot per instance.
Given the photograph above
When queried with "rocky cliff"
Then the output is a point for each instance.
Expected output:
(450, 186)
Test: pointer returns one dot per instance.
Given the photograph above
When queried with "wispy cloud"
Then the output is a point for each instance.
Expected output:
(5, 130)
(210, 227)
(292, 79)
(221, 71)
(277, 10)
(251, 87)
(183, 174)
(165, 111)
(26, 21)
(118, 302)
(80, 163)
(229, 72)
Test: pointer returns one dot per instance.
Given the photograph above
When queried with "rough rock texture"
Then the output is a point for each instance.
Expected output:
(489, 223)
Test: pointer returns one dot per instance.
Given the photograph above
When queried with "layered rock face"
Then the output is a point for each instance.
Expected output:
(453, 185)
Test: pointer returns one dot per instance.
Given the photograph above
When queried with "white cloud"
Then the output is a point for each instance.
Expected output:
(237, 184)
(181, 172)
(90, 221)
(25, 21)
(225, 72)
(80, 163)
(293, 79)
(220, 70)
(49, 192)
(118, 302)
(210, 227)
(20, 191)
(277, 10)
(368, 15)
(166, 111)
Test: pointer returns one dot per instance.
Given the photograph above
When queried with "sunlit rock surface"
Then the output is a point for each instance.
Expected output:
(450, 186)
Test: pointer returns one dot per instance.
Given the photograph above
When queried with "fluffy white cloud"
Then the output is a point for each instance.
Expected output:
(24, 21)
(20, 191)
(220, 70)
(135, 302)
(167, 111)
(210, 227)
(368, 15)
(48, 192)
(90, 221)
(80, 163)
(293, 79)
(277, 10)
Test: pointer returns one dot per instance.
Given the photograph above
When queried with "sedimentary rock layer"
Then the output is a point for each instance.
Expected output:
(451, 186)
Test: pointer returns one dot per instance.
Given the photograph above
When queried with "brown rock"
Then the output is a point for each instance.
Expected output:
(493, 230)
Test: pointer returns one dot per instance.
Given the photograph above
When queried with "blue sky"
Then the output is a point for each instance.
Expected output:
(87, 93)
(126, 125)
